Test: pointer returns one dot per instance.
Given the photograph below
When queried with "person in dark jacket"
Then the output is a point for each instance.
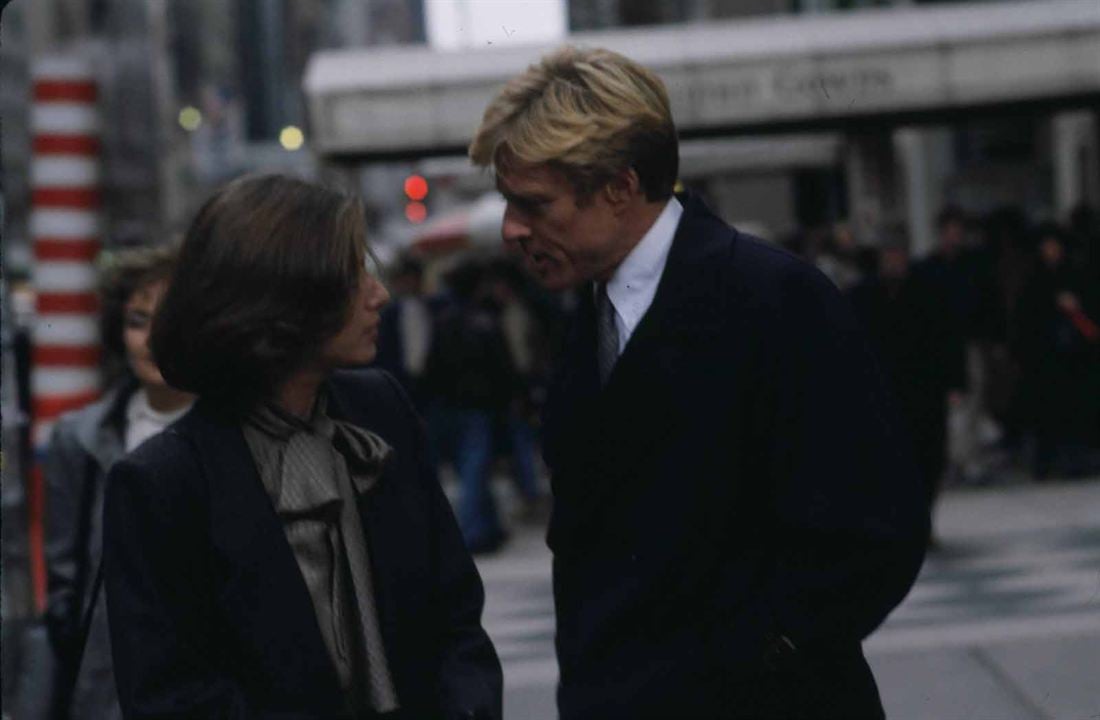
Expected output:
(284, 550)
(904, 316)
(1058, 344)
(470, 377)
(405, 331)
(734, 510)
(84, 445)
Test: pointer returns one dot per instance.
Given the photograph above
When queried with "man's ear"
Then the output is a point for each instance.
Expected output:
(623, 189)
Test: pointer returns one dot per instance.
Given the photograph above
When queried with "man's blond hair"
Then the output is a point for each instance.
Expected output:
(590, 112)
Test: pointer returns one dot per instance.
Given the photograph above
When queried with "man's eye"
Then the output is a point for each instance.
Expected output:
(531, 207)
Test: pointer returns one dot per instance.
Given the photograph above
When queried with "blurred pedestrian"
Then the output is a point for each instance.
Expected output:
(1058, 345)
(83, 447)
(1013, 264)
(905, 319)
(733, 511)
(523, 341)
(948, 273)
(470, 378)
(839, 257)
(405, 332)
(284, 550)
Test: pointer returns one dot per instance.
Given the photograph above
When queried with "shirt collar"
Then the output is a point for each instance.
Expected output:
(139, 409)
(634, 283)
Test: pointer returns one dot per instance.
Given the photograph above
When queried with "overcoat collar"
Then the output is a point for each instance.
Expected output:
(675, 304)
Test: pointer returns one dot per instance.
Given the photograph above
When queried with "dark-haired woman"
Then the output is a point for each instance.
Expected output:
(285, 550)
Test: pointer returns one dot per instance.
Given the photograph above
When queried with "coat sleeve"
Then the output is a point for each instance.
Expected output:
(851, 519)
(470, 678)
(161, 602)
(65, 470)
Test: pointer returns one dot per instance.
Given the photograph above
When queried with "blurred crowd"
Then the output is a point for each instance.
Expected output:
(991, 342)
(475, 356)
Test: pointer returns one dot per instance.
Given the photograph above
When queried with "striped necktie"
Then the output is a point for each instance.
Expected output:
(607, 334)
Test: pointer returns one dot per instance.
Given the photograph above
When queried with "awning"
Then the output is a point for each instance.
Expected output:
(807, 71)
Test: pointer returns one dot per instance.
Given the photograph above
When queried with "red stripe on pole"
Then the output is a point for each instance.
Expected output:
(64, 356)
(36, 546)
(62, 302)
(50, 249)
(65, 90)
(49, 407)
(65, 145)
(76, 198)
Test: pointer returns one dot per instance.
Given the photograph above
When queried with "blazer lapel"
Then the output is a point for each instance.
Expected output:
(378, 525)
(265, 587)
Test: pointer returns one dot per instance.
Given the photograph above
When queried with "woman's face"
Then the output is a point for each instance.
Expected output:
(356, 343)
(137, 319)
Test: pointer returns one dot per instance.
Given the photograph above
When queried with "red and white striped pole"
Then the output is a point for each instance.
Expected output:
(65, 227)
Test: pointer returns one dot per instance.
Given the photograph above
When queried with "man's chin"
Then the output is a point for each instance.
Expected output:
(550, 280)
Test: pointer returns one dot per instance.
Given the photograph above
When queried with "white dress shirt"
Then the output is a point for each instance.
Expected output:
(634, 283)
(143, 422)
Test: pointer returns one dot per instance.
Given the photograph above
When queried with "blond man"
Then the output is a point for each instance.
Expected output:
(734, 511)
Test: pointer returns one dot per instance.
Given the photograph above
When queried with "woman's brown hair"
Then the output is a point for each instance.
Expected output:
(265, 275)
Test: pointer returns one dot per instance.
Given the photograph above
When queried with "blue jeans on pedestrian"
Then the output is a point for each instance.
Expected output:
(471, 436)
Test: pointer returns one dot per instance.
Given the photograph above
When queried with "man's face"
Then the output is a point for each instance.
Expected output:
(564, 244)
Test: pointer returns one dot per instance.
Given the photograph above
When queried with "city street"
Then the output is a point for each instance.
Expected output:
(1003, 624)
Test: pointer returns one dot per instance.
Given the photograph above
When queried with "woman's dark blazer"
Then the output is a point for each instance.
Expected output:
(210, 617)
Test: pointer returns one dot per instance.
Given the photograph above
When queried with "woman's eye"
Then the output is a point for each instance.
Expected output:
(137, 321)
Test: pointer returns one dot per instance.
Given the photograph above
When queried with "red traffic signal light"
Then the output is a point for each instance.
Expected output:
(416, 187)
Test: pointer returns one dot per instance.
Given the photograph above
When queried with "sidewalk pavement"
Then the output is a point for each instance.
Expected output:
(1003, 623)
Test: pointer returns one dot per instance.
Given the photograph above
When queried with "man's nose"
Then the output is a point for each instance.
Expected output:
(514, 229)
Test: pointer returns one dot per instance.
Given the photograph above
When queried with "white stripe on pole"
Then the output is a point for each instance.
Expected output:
(64, 118)
(54, 223)
(64, 276)
(67, 329)
(64, 171)
(61, 67)
(63, 381)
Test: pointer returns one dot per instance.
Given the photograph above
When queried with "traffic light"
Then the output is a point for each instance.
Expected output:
(416, 189)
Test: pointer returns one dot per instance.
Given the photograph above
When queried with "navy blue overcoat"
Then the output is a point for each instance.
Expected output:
(209, 614)
(736, 510)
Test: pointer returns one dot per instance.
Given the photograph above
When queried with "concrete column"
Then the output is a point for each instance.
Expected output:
(351, 20)
(925, 161)
(172, 161)
(1076, 161)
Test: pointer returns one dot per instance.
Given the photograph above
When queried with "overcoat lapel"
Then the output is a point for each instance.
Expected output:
(379, 526)
(597, 439)
(264, 578)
